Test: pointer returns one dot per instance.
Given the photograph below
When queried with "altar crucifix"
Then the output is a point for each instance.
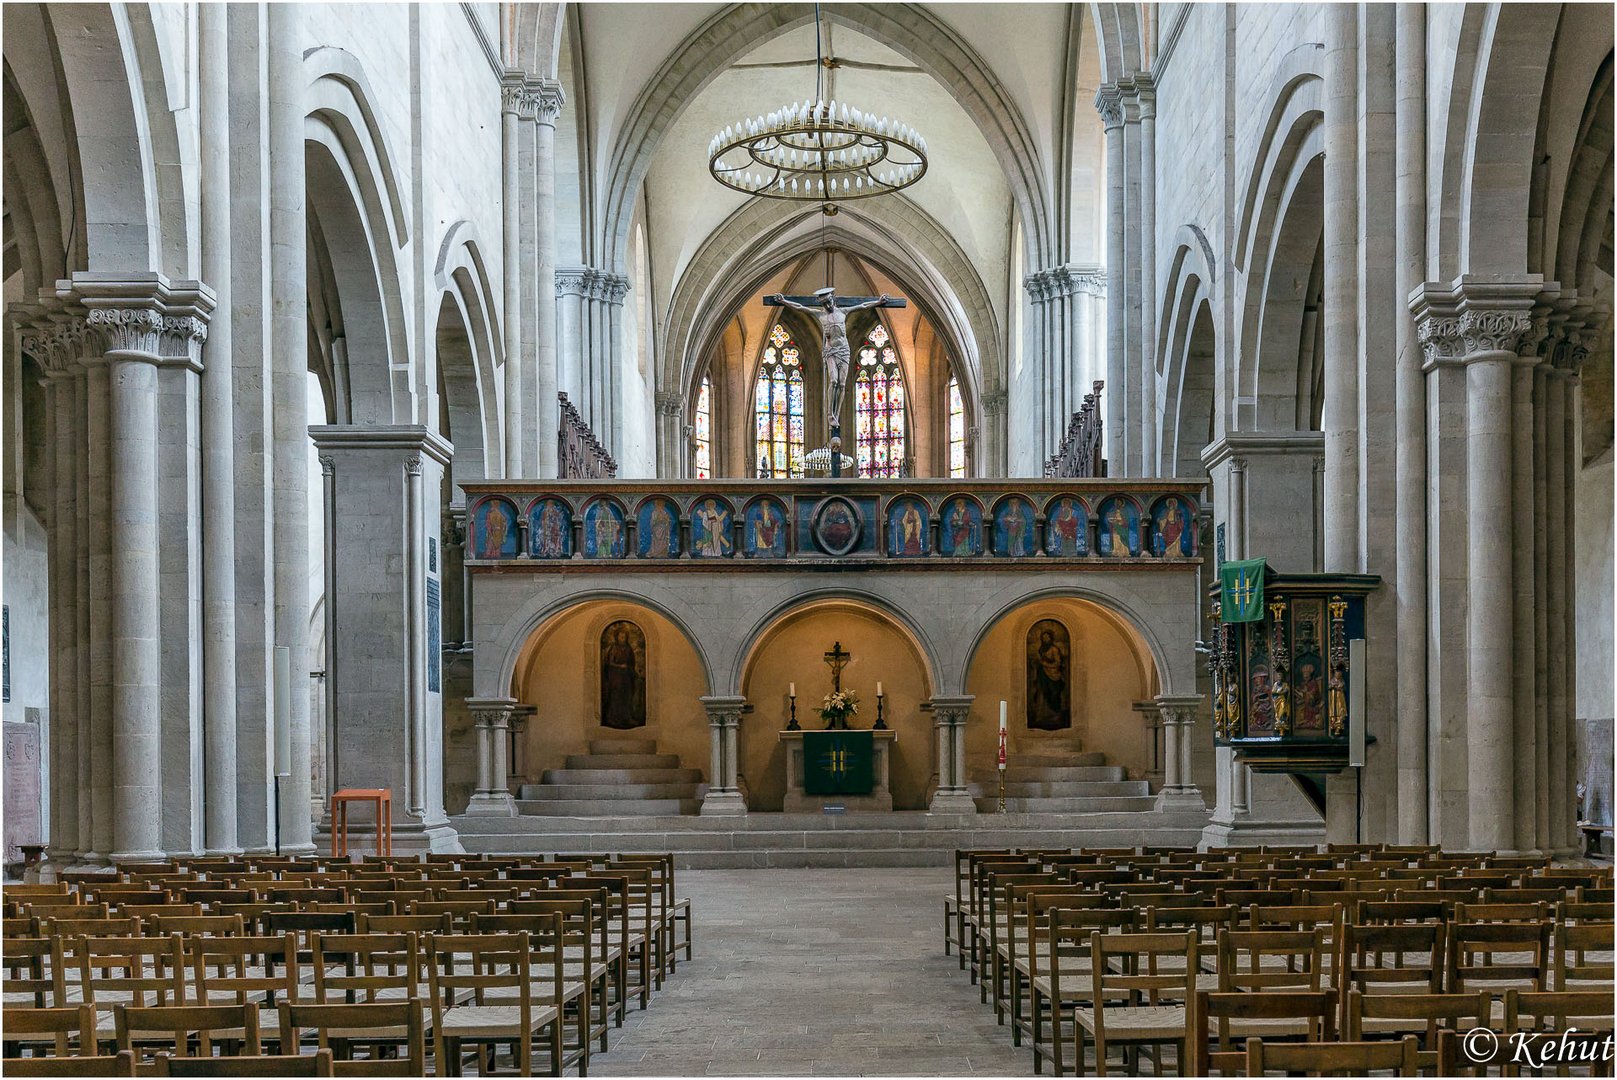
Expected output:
(832, 311)
(836, 659)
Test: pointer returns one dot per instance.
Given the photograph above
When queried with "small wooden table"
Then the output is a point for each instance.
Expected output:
(340, 801)
(799, 801)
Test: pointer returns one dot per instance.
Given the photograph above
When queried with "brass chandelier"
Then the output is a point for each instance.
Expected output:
(817, 150)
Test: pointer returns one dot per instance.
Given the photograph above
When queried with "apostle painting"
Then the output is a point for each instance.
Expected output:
(1049, 676)
(496, 530)
(1260, 699)
(623, 676)
(1013, 528)
(1065, 533)
(603, 525)
(1119, 529)
(551, 533)
(658, 536)
(766, 530)
(1172, 529)
(910, 535)
(962, 528)
(710, 530)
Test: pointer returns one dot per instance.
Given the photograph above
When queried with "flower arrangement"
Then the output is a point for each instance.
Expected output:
(837, 707)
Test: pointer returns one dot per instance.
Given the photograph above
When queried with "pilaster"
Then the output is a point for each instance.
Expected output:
(492, 717)
(950, 715)
(1179, 716)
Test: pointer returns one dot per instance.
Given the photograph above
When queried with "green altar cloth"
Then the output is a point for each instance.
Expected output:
(838, 762)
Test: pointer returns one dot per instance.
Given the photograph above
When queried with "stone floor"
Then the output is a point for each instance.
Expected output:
(815, 973)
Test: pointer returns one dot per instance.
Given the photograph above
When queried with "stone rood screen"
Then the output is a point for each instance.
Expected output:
(546, 525)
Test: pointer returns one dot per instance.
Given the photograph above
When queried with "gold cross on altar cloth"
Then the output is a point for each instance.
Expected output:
(836, 659)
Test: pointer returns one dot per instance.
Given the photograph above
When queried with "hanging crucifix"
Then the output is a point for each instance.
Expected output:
(836, 659)
(832, 311)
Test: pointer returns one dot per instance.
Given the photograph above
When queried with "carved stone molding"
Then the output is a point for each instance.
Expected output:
(1468, 318)
(573, 280)
(952, 711)
(328, 467)
(1494, 330)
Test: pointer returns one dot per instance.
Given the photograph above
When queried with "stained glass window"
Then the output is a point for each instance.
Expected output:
(957, 430)
(778, 408)
(704, 431)
(878, 404)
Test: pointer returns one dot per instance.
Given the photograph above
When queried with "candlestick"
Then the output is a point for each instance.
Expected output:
(881, 724)
(791, 724)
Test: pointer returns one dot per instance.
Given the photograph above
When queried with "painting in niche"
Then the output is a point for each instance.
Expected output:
(1308, 674)
(908, 528)
(658, 528)
(1013, 528)
(550, 529)
(1260, 710)
(494, 530)
(710, 529)
(764, 536)
(1119, 536)
(623, 676)
(962, 532)
(1171, 529)
(1049, 676)
(1066, 529)
(604, 534)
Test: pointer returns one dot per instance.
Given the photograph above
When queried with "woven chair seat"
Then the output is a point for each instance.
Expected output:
(493, 1021)
(569, 991)
(1138, 1023)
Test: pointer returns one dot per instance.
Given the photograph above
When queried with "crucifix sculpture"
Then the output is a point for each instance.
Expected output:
(835, 660)
(832, 310)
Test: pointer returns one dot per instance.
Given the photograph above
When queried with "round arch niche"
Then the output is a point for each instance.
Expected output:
(792, 650)
(559, 673)
(1109, 668)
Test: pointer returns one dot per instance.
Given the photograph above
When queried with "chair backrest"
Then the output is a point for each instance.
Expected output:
(146, 970)
(33, 965)
(1491, 952)
(1247, 959)
(1394, 957)
(1150, 969)
(350, 968)
(245, 968)
(122, 1064)
(1398, 911)
(174, 1025)
(1417, 1014)
(419, 925)
(1492, 912)
(460, 912)
(1583, 955)
(1401, 1058)
(1211, 1045)
(66, 1025)
(316, 1064)
(1558, 1011)
(198, 925)
(392, 1021)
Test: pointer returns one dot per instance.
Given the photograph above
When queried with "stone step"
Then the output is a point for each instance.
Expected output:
(1055, 759)
(1027, 789)
(622, 761)
(987, 804)
(607, 808)
(621, 776)
(609, 792)
(1042, 773)
(618, 744)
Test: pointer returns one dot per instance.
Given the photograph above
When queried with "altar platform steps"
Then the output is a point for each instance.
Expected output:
(619, 777)
(1076, 782)
(763, 839)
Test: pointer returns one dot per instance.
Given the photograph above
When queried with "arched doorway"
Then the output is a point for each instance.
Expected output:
(789, 652)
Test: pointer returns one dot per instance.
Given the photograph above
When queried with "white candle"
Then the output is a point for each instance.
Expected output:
(791, 689)
(1004, 713)
(878, 689)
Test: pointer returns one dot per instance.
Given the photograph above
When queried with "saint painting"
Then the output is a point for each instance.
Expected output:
(603, 531)
(907, 528)
(1260, 691)
(766, 530)
(1066, 533)
(962, 528)
(659, 529)
(550, 530)
(710, 530)
(623, 676)
(496, 530)
(1013, 528)
(1119, 529)
(1049, 676)
(1308, 675)
(1171, 525)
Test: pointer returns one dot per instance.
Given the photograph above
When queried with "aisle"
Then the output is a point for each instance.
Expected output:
(815, 972)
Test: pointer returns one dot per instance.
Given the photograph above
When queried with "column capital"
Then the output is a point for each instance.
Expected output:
(953, 709)
(140, 316)
(670, 402)
(412, 440)
(994, 402)
(573, 280)
(724, 710)
(487, 710)
(1109, 103)
(1469, 318)
(1178, 708)
(543, 99)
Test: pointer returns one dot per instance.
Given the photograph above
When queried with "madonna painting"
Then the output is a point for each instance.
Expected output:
(623, 676)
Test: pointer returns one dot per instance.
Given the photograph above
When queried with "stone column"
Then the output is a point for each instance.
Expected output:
(493, 719)
(673, 447)
(131, 338)
(614, 288)
(1409, 392)
(548, 99)
(386, 690)
(289, 372)
(723, 793)
(1525, 645)
(1541, 622)
(95, 532)
(571, 286)
(1110, 103)
(1133, 302)
(1341, 410)
(950, 715)
(1179, 790)
(1145, 92)
(218, 442)
(1572, 411)
(513, 94)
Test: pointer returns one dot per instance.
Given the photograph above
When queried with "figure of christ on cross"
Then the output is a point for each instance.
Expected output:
(836, 659)
(832, 311)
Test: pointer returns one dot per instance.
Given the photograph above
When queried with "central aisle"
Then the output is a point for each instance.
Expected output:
(815, 972)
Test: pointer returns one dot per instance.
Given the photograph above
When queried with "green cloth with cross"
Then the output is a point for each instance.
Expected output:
(839, 762)
(1241, 591)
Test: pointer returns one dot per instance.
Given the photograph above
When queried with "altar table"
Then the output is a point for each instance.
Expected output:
(799, 801)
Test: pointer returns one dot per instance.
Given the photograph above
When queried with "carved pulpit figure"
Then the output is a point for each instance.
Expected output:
(832, 311)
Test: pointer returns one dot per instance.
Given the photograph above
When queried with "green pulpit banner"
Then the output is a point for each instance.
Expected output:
(839, 762)
(1241, 598)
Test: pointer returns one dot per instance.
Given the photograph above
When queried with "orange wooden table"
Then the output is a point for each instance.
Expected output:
(340, 801)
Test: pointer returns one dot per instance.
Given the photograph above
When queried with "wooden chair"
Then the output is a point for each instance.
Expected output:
(1394, 958)
(1253, 960)
(117, 1065)
(954, 906)
(1583, 956)
(1498, 956)
(481, 964)
(33, 974)
(1424, 1016)
(1555, 1012)
(234, 1027)
(256, 971)
(316, 1064)
(59, 1029)
(139, 971)
(1401, 1058)
(197, 925)
(551, 984)
(1025, 933)
(1065, 984)
(338, 1028)
(1213, 1043)
(1154, 998)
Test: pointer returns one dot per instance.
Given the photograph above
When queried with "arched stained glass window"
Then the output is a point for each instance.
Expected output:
(704, 431)
(957, 430)
(778, 412)
(879, 407)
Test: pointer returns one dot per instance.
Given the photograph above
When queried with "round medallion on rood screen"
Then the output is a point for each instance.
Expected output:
(837, 526)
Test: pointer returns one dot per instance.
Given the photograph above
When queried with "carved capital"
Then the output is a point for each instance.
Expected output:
(1493, 330)
(952, 711)
(1109, 103)
(573, 280)
(1440, 339)
(994, 402)
(412, 465)
(127, 329)
(328, 467)
(545, 98)
(724, 711)
(614, 287)
(491, 712)
(513, 93)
